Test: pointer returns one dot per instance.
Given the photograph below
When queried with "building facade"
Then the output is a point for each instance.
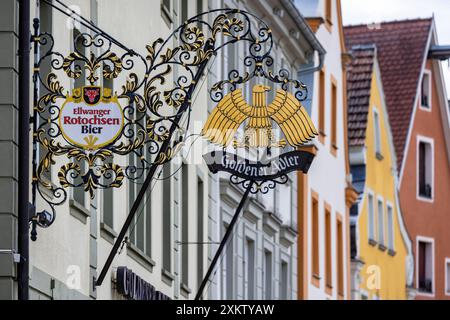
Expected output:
(323, 216)
(382, 260)
(419, 116)
(172, 239)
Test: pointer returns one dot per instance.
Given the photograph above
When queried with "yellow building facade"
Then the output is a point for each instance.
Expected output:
(381, 248)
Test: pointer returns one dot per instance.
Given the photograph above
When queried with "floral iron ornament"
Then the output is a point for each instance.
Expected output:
(153, 105)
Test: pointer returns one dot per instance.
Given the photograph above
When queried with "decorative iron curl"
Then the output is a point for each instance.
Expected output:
(259, 186)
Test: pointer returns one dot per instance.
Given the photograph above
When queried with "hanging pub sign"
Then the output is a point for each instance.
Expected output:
(253, 173)
(285, 111)
(91, 118)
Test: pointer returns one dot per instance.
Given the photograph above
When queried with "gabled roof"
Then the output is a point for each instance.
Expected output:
(401, 50)
(359, 83)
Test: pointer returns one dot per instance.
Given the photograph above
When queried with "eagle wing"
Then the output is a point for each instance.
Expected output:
(226, 118)
(292, 118)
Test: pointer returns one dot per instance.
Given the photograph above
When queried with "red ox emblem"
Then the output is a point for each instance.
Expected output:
(91, 95)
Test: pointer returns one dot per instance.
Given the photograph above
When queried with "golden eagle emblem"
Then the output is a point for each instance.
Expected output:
(286, 111)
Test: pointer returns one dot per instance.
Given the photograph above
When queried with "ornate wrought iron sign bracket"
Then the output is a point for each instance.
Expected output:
(92, 126)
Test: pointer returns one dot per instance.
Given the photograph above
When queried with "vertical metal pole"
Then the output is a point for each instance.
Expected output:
(224, 242)
(24, 130)
(36, 24)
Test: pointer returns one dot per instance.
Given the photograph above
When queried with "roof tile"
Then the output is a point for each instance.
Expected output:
(400, 52)
(359, 83)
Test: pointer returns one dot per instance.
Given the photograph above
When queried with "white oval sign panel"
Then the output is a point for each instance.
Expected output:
(91, 118)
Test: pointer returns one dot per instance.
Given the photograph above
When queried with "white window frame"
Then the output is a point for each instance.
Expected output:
(431, 241)
(377, 131)
(431, 142)
(370, 194)
(390, 206)
(382, 242)
(447, 275)
(426, 72)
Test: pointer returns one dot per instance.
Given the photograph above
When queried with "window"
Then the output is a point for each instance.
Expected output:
(308, 80)
(284, 269)
(380, 212)
(228, 267)
(340, 258)
(108, 207)
(425, 266)
(166, 220)
(200, 10)
(377, 132)
(329, 11)
(250, 268)
(267, 275)
(390, 217)
(285, 206)
(371, 218)
(447, 276)
(333, 116)
(315, 239)
(425, 100)
(425, 169)
(78, 193)
(166, 9)
(200, 235)
(140, 231)
(185, 225)
(166, 5)
(184, 11)
(328, 262)
(94, 11)
(322, 105)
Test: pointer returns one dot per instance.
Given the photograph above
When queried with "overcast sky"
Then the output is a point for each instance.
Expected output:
(369, 11)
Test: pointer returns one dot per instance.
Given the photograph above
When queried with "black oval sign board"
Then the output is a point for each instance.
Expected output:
(258, 170)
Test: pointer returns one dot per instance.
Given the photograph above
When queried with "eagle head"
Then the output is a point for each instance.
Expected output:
(260, 88)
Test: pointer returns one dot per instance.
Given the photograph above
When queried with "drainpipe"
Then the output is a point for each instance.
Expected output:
(24, 130)
(309, 35)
